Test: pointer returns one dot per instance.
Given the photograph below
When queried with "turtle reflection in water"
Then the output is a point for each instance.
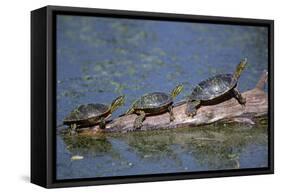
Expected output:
(92, 114)
(216, 89)
(152, 104)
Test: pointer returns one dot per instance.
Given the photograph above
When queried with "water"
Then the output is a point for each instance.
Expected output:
(101, 58)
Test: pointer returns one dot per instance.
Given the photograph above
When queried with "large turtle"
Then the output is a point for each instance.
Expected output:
(152, 104)
(91, 114)
(216, 89)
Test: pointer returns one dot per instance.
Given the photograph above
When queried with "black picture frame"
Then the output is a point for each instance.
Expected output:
(43, 95)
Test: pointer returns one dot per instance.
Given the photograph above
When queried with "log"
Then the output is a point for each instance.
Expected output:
(227, 111)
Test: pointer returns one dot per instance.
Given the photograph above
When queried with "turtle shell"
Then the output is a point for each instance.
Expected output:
(88, 112)
(153, 101)
(213, 87)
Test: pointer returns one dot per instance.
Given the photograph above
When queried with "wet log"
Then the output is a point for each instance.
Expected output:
(227, 111)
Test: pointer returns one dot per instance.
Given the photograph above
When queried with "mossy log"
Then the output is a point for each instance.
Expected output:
(227, 111)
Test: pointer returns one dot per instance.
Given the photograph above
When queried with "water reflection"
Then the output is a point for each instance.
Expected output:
(216, 147)
(77, 144)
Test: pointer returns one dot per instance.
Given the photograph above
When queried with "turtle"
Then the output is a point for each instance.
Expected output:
(91, 114)
(216, 89)
(152, 104)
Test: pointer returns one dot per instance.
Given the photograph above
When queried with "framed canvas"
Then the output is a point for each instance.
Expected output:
(126, 96)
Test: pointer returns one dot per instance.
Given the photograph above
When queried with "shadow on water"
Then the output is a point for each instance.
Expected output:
(214, 147)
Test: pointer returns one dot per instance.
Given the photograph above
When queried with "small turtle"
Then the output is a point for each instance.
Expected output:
(92, 114)
(216, 89)
(152, 104)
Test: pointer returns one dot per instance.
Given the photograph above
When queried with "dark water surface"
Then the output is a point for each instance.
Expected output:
(101, 58)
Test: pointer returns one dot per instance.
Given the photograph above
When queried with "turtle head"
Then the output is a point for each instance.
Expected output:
(177, 90)
(119, 101)
(240, 67)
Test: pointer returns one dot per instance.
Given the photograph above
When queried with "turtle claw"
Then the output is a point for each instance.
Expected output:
(243, 102)
(191, 111)
(139, 120)
(137, 125)
(102, 123)
(172, 117)
(191, 114)
(191, 108)
(239, 97)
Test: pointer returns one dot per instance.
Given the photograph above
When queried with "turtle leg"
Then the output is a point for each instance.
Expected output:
(191, 107)
(102, 123)
(139, 119)
(170, 109)
(239, 97)
(73, 128)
